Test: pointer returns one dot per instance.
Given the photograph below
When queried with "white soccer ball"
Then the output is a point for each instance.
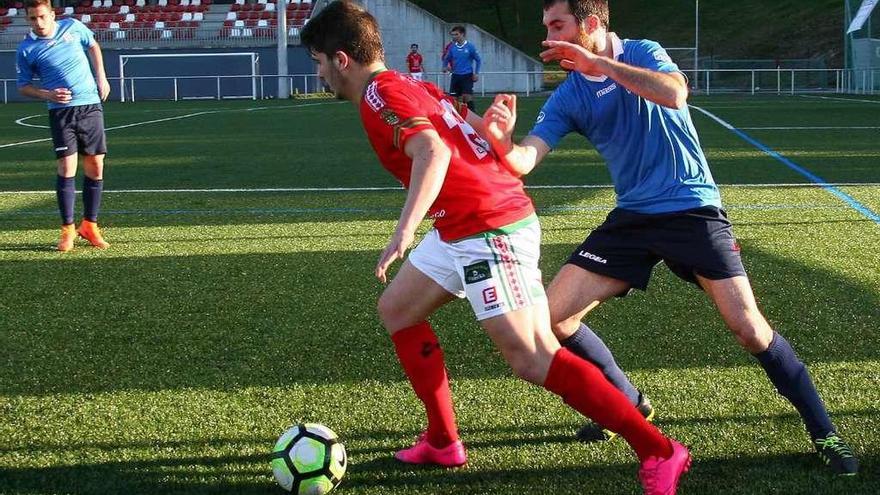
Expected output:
(309, 460)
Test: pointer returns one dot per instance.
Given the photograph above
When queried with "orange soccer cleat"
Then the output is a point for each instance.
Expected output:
(68, 235)
(90, 232)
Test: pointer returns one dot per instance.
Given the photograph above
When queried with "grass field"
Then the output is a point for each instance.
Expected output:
(226, 311)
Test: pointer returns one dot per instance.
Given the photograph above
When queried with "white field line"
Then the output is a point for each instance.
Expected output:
(852, 100)
(817, 128)
(157, 121)
(393, 188)
(21, 122)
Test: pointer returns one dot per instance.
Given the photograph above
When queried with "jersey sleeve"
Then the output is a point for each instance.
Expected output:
(476, 56)
(23, 70)
(553, 122)
(87, 37)
(650, 55)
(393, 115)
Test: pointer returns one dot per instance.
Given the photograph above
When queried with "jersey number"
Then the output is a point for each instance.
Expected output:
(478, 145)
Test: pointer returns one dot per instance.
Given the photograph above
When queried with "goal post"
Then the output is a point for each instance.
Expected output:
(189, 76)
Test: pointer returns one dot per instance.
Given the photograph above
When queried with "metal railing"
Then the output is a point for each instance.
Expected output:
(712, 81)
(174, 37)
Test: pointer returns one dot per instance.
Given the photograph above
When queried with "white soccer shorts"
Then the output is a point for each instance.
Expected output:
(497, 271)
(418, 76)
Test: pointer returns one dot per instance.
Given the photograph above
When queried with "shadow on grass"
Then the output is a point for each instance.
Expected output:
(262, 320)
(375, 471)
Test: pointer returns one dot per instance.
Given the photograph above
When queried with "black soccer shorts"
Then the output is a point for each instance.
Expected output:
(78, 129)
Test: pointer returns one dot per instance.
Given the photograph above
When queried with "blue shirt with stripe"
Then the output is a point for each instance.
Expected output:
(652, 152)
(463, 58)
(60, 61)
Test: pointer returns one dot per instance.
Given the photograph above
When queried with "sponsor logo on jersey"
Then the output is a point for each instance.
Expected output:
(67, 38)
(372, 96)
(604, 91)
(662, 56)
(437, 214)
(477, 272)
(490, 295)
(590, 256)
(389, 116)
(541, 117)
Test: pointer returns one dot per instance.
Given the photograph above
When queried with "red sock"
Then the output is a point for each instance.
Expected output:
(583, 386)
(422, 360)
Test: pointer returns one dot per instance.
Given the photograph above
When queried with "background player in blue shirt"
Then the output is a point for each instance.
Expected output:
(56, 53)
(464, 60)
(629, 100)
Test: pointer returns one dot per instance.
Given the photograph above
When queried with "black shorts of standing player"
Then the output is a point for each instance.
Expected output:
(78, 129)
(461, 84)
(628, 245)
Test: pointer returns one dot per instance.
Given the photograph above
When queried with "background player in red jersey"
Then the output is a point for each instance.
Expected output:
(414, 63)
(485, 247)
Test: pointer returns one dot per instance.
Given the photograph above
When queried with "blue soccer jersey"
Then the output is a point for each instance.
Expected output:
(652, 152)
(462, 58)
(60, 61)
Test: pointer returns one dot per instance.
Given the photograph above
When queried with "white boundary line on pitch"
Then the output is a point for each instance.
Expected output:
(809, 128)
(397, 188)
(167, 119)
(21, 122)
(853, 100)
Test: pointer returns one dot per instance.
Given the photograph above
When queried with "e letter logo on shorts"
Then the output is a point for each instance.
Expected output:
(490, 295)
(477, 272)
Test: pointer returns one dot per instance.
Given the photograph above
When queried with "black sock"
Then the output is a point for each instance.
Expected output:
(92, 191)
(587, 345)
(65, 191)
(792, 380)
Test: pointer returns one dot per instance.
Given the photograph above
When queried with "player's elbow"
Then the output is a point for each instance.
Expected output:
(678, 98)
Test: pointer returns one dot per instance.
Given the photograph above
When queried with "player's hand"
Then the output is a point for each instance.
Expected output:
(570, 56)
(60, 95)
(396, 248)
(103, 88)
(500, 120)
(475, 78)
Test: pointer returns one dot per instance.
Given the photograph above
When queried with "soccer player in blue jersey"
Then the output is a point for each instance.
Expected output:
(629, 100)
(464, 60)
(55, 51)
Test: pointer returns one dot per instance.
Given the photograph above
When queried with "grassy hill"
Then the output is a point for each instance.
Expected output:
(747, 29)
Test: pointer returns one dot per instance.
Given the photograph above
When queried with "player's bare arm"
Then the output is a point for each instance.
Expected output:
(97, 58)
(500, 122)
(57, 95)
(430, 160)
(667, 89)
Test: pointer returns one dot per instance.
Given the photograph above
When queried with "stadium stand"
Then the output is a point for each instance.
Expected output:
(162, 22)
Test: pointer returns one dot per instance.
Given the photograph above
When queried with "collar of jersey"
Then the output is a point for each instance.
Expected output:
(461, 45)
(372, 76)
(617, 49)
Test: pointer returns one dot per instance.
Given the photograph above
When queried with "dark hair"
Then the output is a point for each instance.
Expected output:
(459, 29)
(30, 4)
(581, 9)
(414, 45)
(344, 26)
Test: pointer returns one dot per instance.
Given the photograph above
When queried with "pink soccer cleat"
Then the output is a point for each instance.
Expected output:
(660, 476)
(422, 452)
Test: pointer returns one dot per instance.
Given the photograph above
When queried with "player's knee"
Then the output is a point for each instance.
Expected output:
(752, 331)
(389, 313)
(563, 328)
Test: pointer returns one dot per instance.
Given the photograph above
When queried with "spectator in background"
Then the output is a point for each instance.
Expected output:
(464, 60)
(55, 52)
(414, 63)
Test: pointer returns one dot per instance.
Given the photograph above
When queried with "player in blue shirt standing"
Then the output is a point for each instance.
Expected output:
(629, 100)
(463, 58)
(55, 51)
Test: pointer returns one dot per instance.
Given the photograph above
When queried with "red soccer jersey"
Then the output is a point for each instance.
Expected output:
(414, 61)
(479, 193)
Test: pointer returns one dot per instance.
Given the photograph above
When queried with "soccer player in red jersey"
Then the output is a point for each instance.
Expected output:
(414, 63)
(484, 247)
